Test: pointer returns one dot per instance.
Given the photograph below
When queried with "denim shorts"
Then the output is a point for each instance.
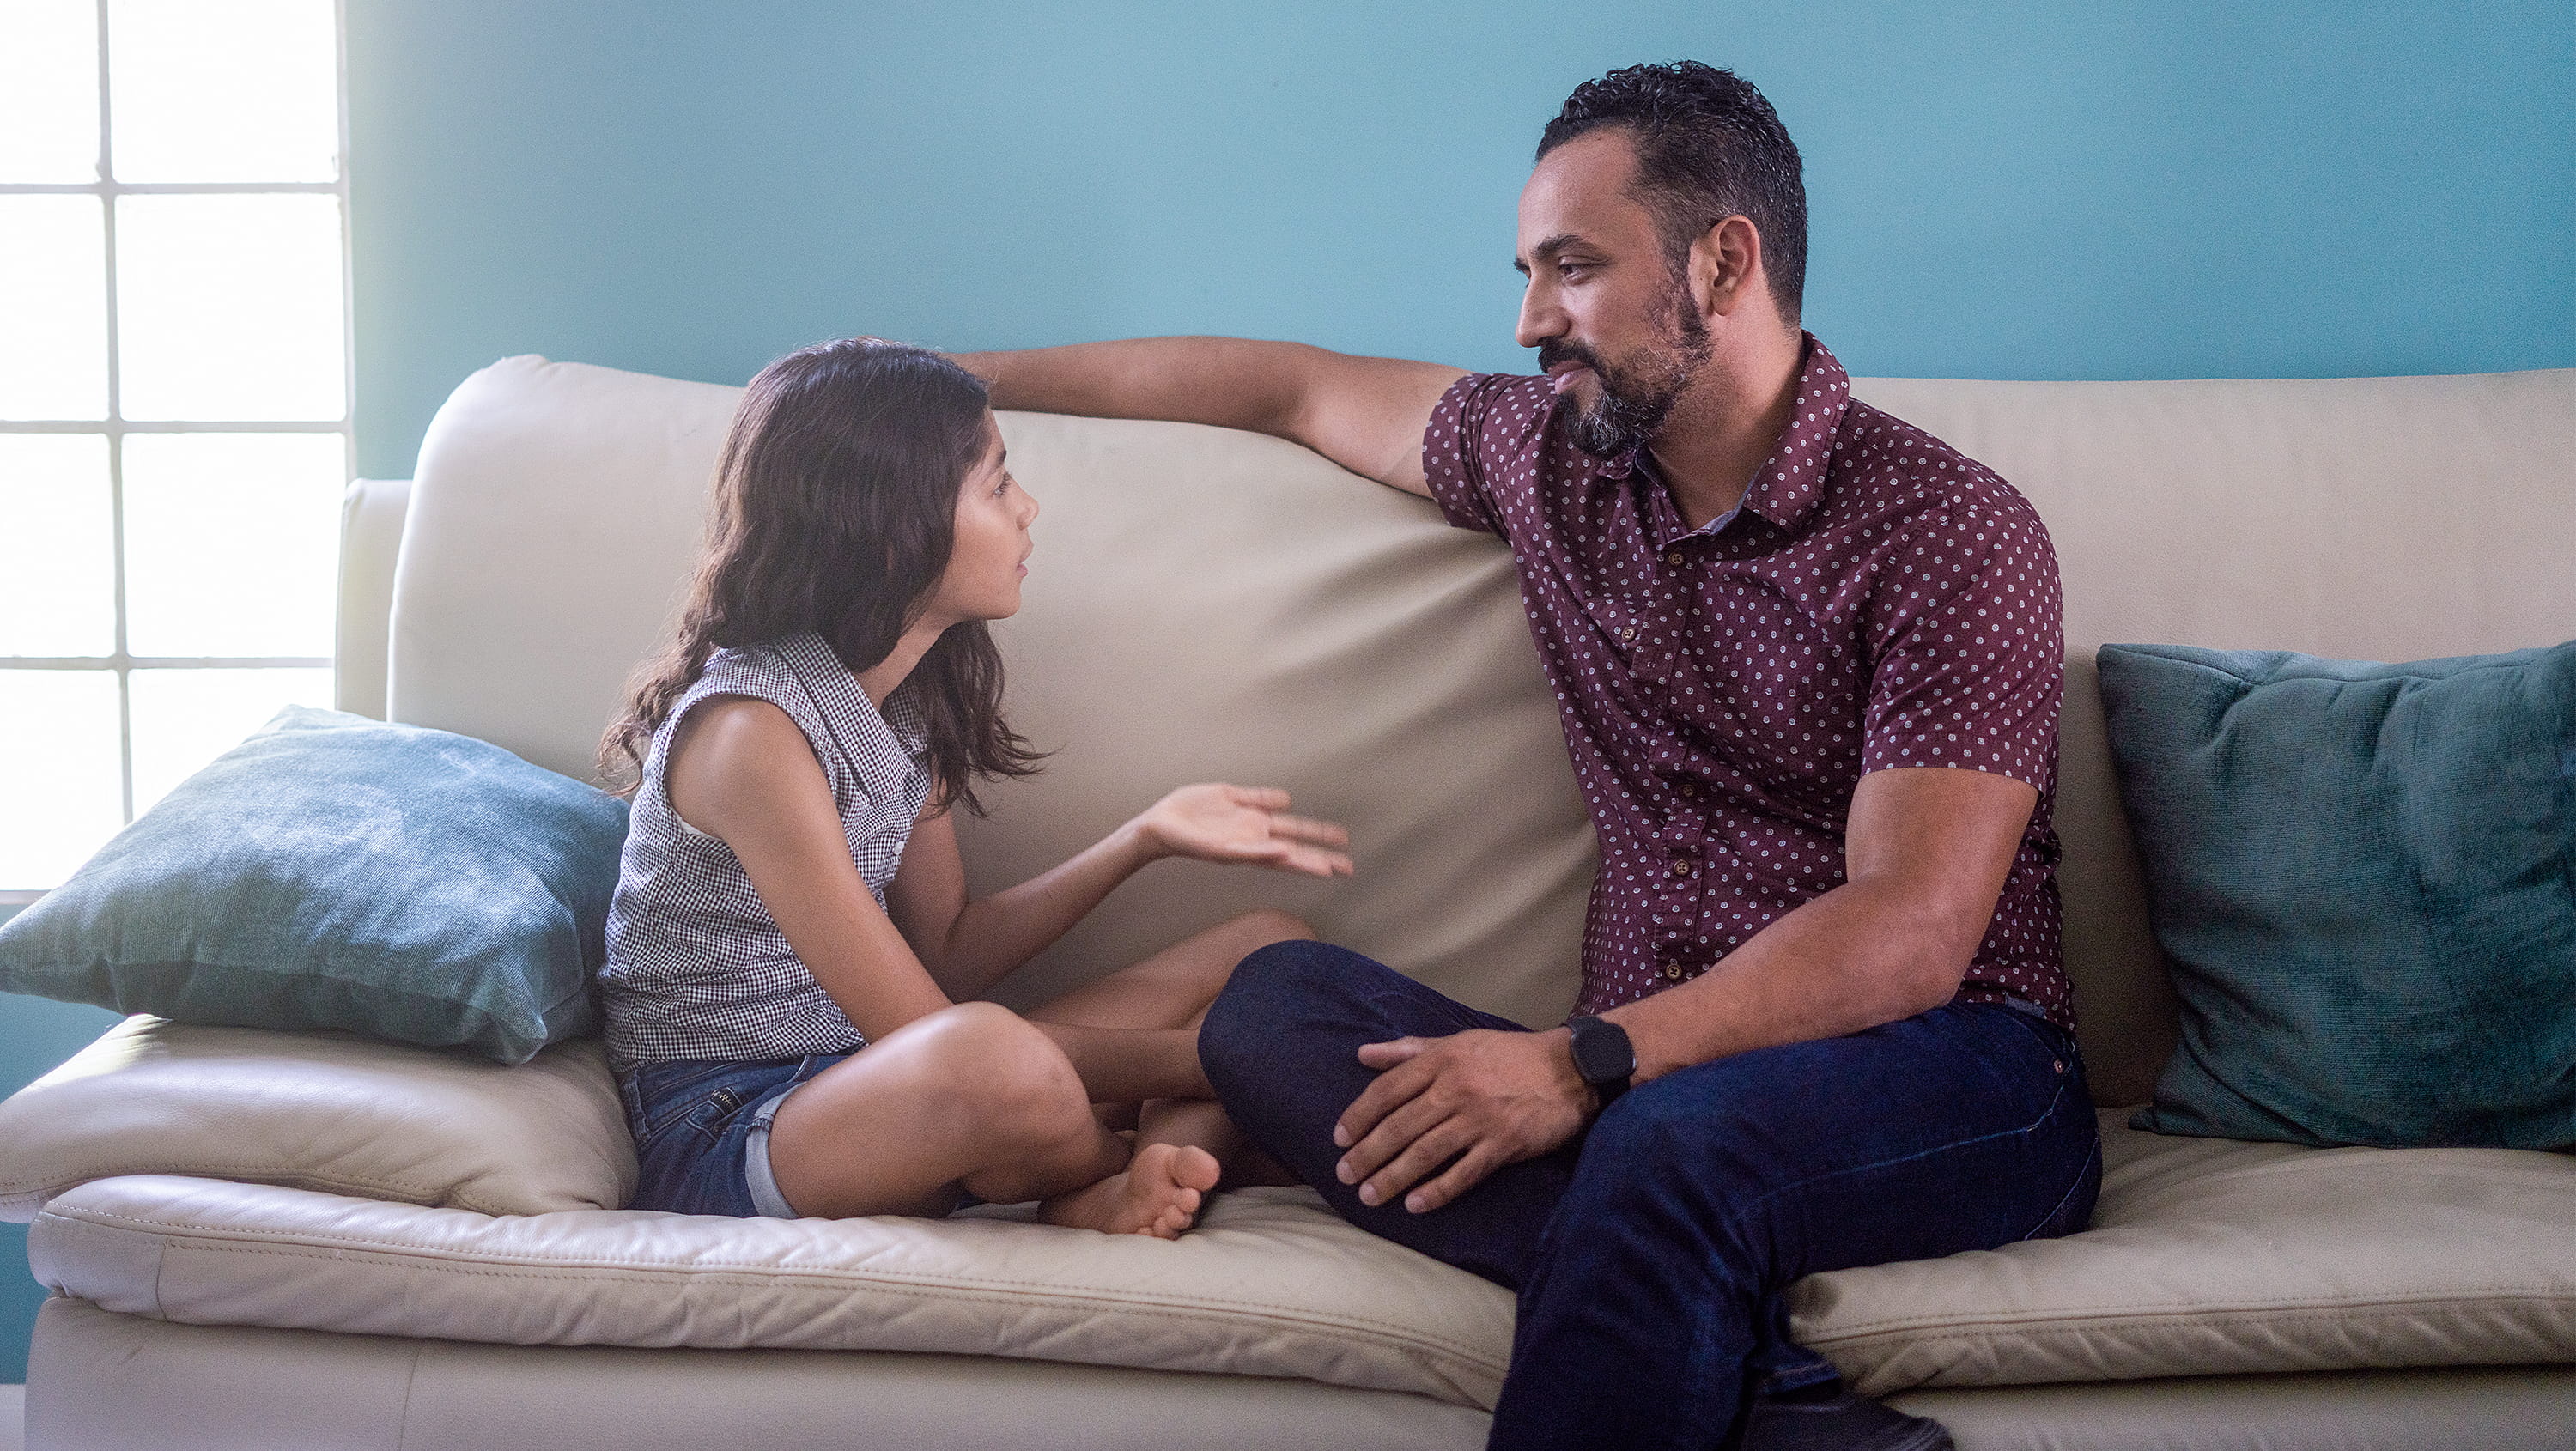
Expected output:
(702, 1132)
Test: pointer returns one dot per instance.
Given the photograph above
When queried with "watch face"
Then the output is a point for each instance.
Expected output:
(1601, 1053)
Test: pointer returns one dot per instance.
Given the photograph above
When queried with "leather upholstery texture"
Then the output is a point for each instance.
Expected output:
(109, 1382)
(1205, 604)
(2210, 1256)
(1269, 1283)
(2206, 1256)
(322, 1111)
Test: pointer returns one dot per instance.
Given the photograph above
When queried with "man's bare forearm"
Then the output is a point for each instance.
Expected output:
(1851, 959)
(1366, 414)
(1228, 382)
(1928, 852)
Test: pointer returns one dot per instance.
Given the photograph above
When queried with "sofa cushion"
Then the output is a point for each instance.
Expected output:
(2362, 875)
(321, 1111)
(2209, 1256)
(1270, 1283)
(2206, 1257)
(337, 872)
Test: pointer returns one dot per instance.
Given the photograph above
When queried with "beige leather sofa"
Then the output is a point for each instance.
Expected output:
(266, 1241)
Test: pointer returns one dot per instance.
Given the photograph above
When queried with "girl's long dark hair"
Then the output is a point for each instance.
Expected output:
(835, 510)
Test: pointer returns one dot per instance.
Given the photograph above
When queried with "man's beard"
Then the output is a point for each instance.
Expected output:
(1635, 399)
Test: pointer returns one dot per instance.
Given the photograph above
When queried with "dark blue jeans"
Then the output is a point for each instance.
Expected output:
(1649, 1256)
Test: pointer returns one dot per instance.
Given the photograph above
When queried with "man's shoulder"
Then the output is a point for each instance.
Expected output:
(1889, 467)
(1497, 414)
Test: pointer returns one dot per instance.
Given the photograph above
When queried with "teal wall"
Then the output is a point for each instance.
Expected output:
(2119, 189)
(2002, 188)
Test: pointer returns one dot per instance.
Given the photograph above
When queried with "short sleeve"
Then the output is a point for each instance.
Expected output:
(1969, 643)
(1483, 447)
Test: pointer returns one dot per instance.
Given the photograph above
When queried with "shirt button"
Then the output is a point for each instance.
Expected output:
(1690, 788)
(1672, 556)
(1627, 632)
(1673, 970)
(1681, 869)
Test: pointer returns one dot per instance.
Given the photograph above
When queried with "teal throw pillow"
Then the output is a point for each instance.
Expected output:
(337, 872)
(2365, 878)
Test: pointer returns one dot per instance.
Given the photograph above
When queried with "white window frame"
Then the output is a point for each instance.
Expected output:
(115, 428)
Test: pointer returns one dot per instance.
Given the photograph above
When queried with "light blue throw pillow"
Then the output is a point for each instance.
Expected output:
(337, 872)
(2365, 878)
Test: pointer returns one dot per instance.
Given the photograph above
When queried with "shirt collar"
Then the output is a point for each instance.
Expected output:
(1791, 482)
(845, 702)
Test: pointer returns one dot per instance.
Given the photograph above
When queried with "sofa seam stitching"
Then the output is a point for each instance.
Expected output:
(1428, 1350)
(196, 1236)
(2241, 1312)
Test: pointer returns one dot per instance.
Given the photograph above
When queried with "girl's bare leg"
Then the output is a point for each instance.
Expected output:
(978, 1097)
(1171, 991)
(1172, 988)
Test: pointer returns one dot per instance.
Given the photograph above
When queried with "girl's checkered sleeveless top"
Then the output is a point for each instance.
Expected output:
(696, 968)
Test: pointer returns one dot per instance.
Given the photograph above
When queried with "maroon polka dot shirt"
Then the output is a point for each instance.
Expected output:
(1878, 600)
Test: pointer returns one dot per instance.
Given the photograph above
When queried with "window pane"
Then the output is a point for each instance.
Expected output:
(232, 542)
(59, 797)
(49, 90)
(53, 307)
(185, 718)
(57, 554)
(228, 308)
(246, 90)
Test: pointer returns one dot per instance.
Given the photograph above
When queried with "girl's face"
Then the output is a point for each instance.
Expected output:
(993, 517)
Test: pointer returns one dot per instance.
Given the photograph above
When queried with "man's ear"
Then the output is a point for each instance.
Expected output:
(1726, 267)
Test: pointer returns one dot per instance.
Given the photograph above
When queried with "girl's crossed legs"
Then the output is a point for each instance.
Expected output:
(979, 1098)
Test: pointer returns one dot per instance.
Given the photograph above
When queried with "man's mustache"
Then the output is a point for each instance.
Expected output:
(1555, 351)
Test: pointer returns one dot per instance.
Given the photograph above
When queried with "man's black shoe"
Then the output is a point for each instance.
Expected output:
(1839, 1421)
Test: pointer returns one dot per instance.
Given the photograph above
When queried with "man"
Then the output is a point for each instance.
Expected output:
(1809, 665)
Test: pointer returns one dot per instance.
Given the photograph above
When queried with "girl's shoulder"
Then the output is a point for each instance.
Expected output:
(804, 677)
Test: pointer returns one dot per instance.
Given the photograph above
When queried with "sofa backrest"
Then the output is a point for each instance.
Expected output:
(1213, 605)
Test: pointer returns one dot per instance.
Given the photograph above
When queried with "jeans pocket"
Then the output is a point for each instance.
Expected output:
(676, 1093)
(713, 1114)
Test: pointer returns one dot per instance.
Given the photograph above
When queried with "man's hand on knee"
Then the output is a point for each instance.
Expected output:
(1473, 1101)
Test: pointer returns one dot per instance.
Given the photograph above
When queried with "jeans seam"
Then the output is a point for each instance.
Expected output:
(2092, 1156)
(1737, 1219)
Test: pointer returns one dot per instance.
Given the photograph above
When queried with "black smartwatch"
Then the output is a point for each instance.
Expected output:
(1603, 1055)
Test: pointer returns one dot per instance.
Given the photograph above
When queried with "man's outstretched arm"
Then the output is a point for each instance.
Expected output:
(1366, 414)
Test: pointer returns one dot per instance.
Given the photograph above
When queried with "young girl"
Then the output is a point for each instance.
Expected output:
(791, 947)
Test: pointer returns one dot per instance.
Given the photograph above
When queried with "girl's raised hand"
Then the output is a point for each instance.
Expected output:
(1250, 825)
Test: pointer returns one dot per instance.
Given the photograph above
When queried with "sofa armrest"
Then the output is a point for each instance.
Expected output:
(371, 526)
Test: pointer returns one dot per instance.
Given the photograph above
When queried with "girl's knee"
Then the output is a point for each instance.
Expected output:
(1003, 1070)
(1237, 938)
(1263, 926)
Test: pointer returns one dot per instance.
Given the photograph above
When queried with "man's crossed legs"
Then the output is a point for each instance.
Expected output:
(1650, 1255)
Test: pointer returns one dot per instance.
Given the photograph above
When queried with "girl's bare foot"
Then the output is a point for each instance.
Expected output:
(1158, 1194)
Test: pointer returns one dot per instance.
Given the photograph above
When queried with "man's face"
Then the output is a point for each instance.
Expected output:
(1610, 315)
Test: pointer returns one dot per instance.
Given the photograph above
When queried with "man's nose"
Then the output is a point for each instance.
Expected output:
(1540, 319)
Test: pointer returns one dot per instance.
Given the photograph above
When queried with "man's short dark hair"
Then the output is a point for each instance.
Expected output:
(1708, 147)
